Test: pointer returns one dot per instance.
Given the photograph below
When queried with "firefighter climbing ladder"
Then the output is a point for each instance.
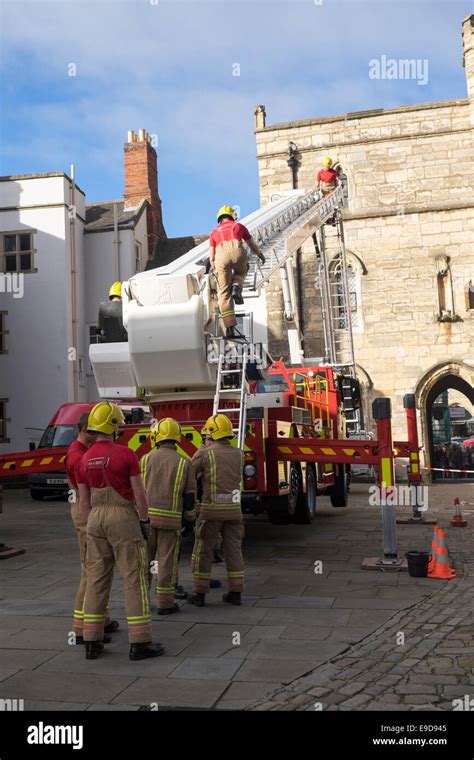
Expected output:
(236, 370)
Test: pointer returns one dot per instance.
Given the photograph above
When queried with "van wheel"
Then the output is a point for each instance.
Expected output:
(306, 506)
(339, 492)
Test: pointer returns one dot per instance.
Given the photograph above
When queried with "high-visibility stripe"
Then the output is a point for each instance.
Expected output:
(415, 468)
(284, 449)
(27, 462)
(177, 486)
(46, 460)
(306, 450)
(328, 467)
(349, 452)
(212, 462)
(386, 466)
(329, 452)
(143, 467)
(414, 455)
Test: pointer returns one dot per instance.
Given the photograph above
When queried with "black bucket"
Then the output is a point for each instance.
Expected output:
(418, 564)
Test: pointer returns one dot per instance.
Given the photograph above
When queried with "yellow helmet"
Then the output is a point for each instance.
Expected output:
(218, 426)
(327, 161)
(115, 290)
(227, 210)
(104, 418)
(166, 429)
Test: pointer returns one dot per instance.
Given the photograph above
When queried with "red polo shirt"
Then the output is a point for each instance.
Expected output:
(108, 464)
(326, 175)
(74, 456)
(228, 230)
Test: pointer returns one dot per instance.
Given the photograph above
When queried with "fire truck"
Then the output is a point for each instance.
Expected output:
(301, 423)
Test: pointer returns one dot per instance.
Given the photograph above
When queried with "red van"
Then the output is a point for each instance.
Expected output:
(62, 431)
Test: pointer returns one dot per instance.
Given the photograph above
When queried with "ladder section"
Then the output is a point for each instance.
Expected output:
(280, 237)
(232, 383)
(336, 312)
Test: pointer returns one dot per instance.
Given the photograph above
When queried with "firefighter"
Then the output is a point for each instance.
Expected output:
(109, 487)
(219, 469)
(115, 292)
(217, 555)
(327, 177)
(169, 482)
(228, 259)
(74, 456)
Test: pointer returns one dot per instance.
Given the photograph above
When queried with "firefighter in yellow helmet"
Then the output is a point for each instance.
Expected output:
(115, 502)
(327, 177)
(218, 467)
(169, 482)
(115, 292)
(228, 258)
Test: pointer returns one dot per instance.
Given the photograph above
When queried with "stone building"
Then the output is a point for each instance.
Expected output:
(409, 229)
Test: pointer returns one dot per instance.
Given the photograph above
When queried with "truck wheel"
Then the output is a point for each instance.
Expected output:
(36, 494)
(281, 510)
(340, 490)
(306, 506)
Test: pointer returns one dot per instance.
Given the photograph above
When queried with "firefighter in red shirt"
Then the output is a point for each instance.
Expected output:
(74, 455)
(229, 260)
(109, 487)
(327, 178)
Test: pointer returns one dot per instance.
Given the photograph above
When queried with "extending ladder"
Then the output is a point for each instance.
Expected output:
(239, 389)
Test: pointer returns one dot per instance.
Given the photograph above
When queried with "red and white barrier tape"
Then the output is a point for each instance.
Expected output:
(435, 469)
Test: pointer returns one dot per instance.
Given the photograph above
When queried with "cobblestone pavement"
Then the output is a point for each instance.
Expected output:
(302, 637)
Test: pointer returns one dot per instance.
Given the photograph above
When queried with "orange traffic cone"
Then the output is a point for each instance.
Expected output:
(441, 567)
(434, 549)
(458, 520)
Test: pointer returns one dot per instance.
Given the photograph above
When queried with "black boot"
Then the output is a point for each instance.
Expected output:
(168, 610)
(180, 593)
(94, 649)
(215, 583)
(106, 640)
(233, 597)
(111, 626)
(199, 600)
(237, 295)
(146, 650)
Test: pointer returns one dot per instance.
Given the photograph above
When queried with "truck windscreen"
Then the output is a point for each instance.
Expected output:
(58, 435)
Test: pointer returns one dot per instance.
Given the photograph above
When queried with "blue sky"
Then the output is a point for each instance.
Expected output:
(167, 66)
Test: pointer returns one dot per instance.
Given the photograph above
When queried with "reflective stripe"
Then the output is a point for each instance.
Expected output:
(212, 462)
(386, 466)
(177, 485)
(143, 467)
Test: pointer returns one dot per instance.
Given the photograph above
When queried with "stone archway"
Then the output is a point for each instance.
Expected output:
(456, 375)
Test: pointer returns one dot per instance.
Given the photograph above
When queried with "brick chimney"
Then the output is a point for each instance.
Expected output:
(141, 183)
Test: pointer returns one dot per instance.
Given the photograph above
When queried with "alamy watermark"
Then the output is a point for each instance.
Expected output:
(12, 282)
(399, 496)
(399, 68)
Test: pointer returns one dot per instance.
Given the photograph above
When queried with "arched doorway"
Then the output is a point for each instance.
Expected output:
(449, 422)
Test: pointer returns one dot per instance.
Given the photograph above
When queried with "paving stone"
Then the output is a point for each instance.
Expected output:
(276, 671)
(321, 617)
(353, 687)
(62, 687)
(173, 692)
(23, 659)
(207, 668)
(323, 602)
(367, 603)
(259, 632)
(250, 690)
(312, 652)
(36, 705)
(357, 701)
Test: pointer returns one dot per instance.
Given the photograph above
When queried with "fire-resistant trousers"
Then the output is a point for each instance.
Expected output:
(231, 269)
(114, 536)
(163, 549)
(80, 524)
(207, 532)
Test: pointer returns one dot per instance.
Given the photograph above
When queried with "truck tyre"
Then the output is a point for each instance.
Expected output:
(340, 490)
(306, 506)
(281, 511)
(36, 494)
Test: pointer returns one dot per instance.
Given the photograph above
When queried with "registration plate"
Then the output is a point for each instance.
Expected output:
(56, 481)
